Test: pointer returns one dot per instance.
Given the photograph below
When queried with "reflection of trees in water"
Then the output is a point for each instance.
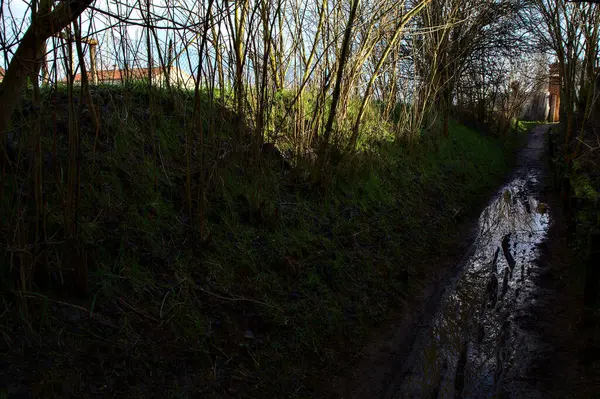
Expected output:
(469, 343)
(509, 213)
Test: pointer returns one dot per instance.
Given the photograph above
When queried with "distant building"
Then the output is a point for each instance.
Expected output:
(544, 105)
(596, 95)
(537, 107)
(176, 77)
(554, 92)
(2, 72)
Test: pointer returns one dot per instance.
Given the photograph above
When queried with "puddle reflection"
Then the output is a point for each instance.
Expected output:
(468, 348)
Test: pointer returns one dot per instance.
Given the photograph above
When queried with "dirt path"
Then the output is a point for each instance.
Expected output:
(501, 321)
(550, 366)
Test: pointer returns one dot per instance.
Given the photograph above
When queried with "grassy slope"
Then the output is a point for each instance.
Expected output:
(290, 279)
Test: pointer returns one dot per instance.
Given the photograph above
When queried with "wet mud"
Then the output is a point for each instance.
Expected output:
(491, 323)
(470, 344)
(471, 347)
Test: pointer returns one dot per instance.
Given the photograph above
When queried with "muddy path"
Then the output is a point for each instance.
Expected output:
(478, 334)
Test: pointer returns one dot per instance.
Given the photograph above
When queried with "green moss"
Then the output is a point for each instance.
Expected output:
(525, 126)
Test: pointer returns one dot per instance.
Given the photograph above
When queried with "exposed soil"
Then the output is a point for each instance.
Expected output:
(519, 347)
(376, 374)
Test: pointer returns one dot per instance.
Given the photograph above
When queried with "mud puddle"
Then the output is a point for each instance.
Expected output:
(472, 345)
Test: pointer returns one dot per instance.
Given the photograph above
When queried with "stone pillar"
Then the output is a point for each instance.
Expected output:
(93, 43)
(93, 64)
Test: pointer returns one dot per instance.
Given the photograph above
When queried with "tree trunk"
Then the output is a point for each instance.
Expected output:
(27, 57)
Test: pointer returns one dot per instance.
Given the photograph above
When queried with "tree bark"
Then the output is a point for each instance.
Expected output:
(27, 56)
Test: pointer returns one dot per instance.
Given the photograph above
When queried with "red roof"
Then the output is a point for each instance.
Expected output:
(120, 74)
(2, 72)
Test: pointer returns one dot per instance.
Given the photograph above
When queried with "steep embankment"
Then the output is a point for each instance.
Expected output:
(274, 297)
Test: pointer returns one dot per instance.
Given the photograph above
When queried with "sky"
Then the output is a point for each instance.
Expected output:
(15, 16)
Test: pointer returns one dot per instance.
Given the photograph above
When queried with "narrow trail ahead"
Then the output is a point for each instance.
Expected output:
(479, 339)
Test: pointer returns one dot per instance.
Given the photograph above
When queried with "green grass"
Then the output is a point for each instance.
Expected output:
(292, 278)
(526, 126)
